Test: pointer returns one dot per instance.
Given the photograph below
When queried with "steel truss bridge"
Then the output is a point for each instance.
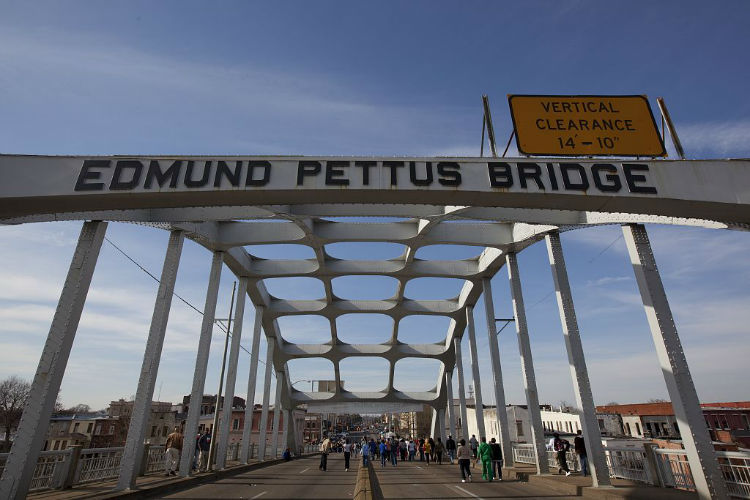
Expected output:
(228, 203)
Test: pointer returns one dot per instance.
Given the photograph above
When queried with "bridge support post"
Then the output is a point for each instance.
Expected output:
(263, 429)
(132, 455)
(434, 423)
(497, 373)
(449, 407)
(461, 390)
(285, 431)
(234, 356)
(251, 381)
(478, 406)
(441, 424)
(707, 476)
(32, 429)
(577, 361)
(527, 364)
(276, 416)
(201, 363)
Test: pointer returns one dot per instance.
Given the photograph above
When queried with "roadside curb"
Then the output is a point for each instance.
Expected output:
(367, 487)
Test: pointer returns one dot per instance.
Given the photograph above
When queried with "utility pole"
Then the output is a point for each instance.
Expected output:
(214, 442)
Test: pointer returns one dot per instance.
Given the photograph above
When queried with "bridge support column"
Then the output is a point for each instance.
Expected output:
(251, 381)
(461, 390)
(132, 455)
(479, 407)
(276, 416)
(32, 429)
(497, 373)
(577, 361)
(441, 424)
(234, 356)
(701, 455)
(527, 365)
(449, 407)
(263, 429)
(285, 431)
(201, 363)
(434, 423)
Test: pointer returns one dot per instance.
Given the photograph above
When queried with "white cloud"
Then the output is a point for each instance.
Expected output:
(729, 138)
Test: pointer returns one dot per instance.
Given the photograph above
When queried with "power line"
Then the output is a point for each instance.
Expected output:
(605, 249)
(221, 326)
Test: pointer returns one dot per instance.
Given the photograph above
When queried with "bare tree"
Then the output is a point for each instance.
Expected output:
(14, 392)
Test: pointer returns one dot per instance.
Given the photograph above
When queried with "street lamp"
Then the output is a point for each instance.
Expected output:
(507, 322)
(305, 380)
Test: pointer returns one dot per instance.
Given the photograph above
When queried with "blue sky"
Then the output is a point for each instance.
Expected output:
(382, 78)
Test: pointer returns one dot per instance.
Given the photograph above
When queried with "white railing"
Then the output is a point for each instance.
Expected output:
(524, 453)
(98, 464)
(570, 456)
(674, 469)
(735, 467)
(156, 460)
(51, 469)
(628, 463)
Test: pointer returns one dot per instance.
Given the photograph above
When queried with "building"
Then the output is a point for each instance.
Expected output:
(87, 430)
(162, 421)
(727, 423)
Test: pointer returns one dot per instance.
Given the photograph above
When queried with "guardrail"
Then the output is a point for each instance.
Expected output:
(66, 468)
(665, 467)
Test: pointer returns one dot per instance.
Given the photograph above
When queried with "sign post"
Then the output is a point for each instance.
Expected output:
(585, 126)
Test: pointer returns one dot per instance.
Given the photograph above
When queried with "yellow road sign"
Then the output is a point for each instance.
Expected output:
(585, 125)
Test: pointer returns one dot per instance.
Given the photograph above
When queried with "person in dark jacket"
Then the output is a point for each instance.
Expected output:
(450, 448)
(580, 448)
(204, 443)
(497, 460)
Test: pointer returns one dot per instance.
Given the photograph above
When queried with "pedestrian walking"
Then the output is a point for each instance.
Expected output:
(427, 451)
(325, 449)
(439, 449)
(484, 452)
(561, 447)
(497, 459)
(383, 449)
(580, 448)
(412, 450)
(365, 454)
(421, 450)
(474, 444)
(204, 443)
(172, 455)
(450, 448)
(464, 457)
(347, 454)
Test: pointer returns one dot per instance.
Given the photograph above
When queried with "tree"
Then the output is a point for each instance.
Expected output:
(76, 410)
(14, 392)
(658, 400)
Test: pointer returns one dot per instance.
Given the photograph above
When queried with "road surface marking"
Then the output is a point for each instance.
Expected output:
(259, 495)
(467, 492)
(305, 470)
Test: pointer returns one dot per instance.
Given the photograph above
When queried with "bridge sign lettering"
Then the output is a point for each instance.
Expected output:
(585, 125)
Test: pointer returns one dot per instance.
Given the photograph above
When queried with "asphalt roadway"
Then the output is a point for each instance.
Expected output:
(297, 479)
(301, 479)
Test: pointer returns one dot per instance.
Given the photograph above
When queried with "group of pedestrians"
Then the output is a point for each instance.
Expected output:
(490, 454)
(173, 450)
(561, 447)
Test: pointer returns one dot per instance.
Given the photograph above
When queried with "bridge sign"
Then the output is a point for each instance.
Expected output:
(585, 125)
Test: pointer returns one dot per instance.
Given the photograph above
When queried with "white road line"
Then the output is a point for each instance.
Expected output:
(467, 492)
(418, 467)
(259, 495)
(305, 470)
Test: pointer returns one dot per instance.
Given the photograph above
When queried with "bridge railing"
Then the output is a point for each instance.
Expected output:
(670, 466)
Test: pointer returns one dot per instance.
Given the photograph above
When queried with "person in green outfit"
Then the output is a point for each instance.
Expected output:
(485, 455)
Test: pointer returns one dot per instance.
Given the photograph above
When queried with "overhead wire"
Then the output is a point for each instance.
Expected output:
(221, 326)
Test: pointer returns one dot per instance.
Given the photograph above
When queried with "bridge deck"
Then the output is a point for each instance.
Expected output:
(301, 479)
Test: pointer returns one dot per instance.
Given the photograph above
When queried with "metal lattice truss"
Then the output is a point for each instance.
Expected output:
(497, 230)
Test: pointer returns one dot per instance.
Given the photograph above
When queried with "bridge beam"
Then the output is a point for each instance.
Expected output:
(478, 406)
(201, 364)
(276, 416)
(251, 382)
(263, 428)
(577, 361)
(32, 429)
(132, 455)
(527, 364)
(707, 475)
(497, 374)
(234, 356)
(461, 389)
(449, 407)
